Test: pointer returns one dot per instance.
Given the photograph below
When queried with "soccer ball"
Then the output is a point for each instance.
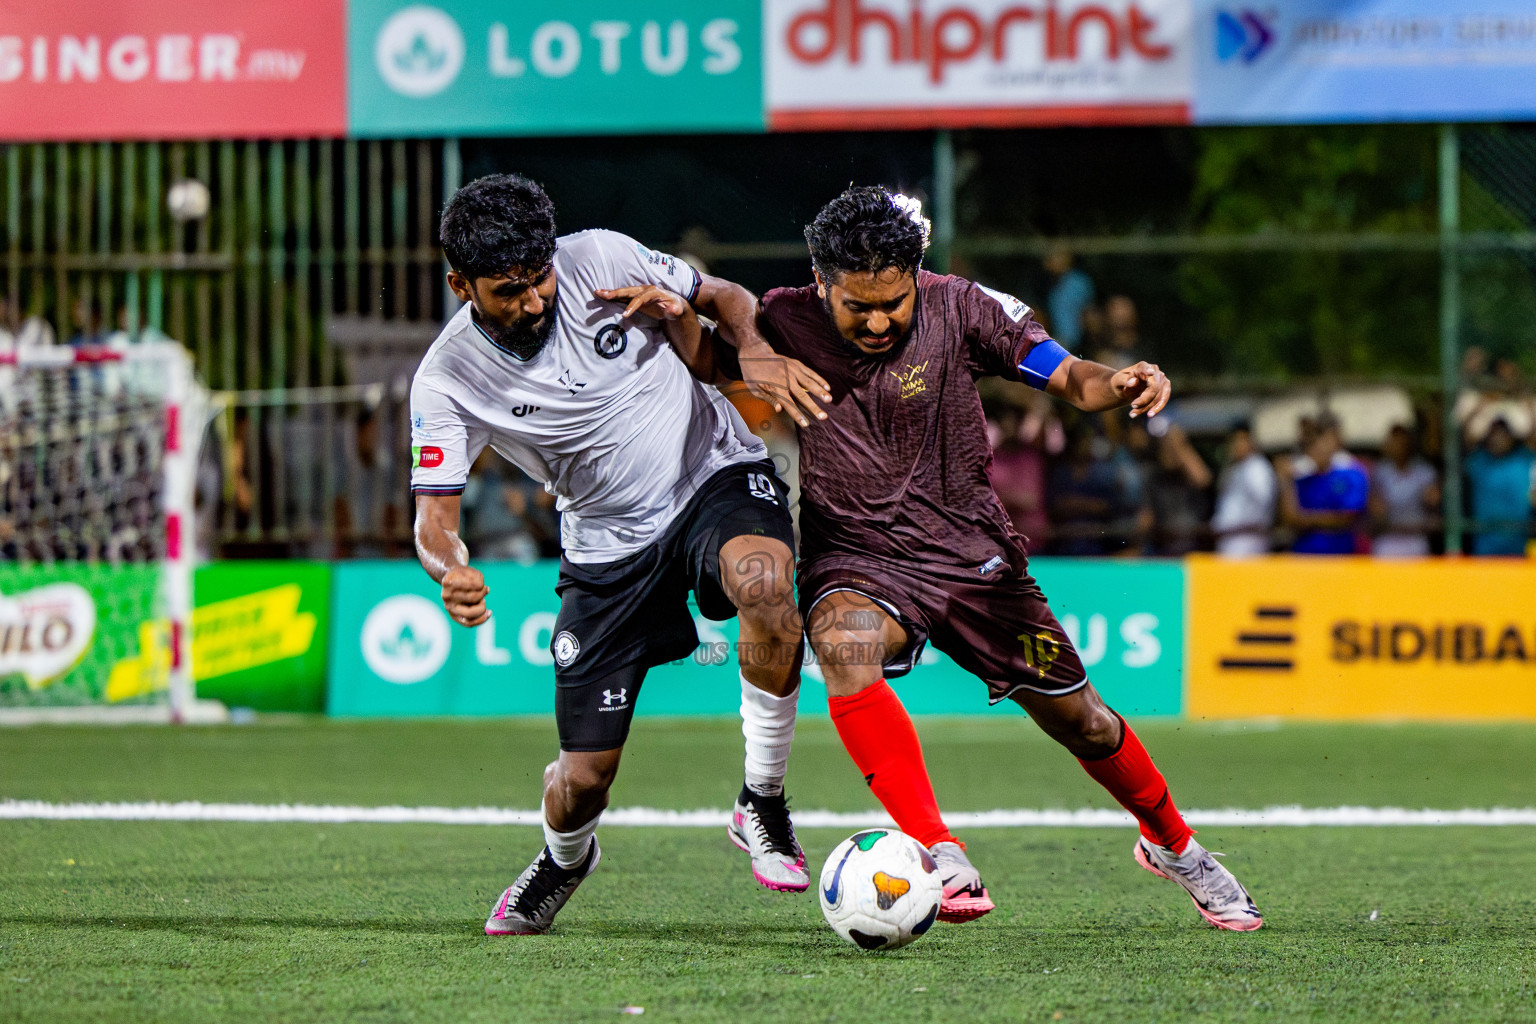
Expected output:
(880, 889)
(188, 199)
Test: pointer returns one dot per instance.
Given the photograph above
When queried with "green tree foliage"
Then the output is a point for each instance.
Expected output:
(1316, 312)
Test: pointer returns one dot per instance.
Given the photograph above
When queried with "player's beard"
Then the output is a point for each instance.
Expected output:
(526, 338)
(854, 350)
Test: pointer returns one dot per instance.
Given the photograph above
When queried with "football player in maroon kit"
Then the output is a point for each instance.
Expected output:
(903, 541)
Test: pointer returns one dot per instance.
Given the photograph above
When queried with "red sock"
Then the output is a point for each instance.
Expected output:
(1132, 778)
(878, 734)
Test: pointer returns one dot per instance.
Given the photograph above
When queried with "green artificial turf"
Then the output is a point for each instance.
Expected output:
(157, 921)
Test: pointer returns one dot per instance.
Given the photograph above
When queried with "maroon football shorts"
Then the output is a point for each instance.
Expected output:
(998, 628)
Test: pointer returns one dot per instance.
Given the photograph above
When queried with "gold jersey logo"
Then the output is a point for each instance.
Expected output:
(912, 380)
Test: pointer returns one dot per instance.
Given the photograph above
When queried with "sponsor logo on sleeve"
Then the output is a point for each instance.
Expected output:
(1015, 309)
(658, 259)
(426, 456)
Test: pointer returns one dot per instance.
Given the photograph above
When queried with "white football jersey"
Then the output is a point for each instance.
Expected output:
(605, 416)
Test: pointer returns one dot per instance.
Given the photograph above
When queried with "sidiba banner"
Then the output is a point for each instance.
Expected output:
(1359, 638)
(163, 69)
(394, 651)
(462, 67)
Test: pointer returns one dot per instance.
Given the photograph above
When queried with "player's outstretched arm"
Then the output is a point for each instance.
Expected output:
(446, 558)
(678, 321)
(786, 384)
(1094, 387)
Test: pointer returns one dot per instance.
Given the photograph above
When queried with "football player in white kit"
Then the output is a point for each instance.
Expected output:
(662, 489)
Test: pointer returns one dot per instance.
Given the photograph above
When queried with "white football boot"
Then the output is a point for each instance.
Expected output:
(1220, 898)
(965, 898)
(530, 904)
(760, 825)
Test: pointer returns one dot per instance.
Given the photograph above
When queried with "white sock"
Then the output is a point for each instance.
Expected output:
(569, 849)
(768, 723)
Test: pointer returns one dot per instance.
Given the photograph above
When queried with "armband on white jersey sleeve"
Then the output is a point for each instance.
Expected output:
(1041, 362)
(440, 454)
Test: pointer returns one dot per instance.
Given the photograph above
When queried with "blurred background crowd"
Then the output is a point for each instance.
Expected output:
(1324, 323)
(1345, 471)
(1348, 470)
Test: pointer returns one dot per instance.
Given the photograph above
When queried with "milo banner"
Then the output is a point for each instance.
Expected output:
(394, 651)
(258, 634)
(80, 634)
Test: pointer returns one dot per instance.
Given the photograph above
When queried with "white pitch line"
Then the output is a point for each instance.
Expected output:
(1269, 817)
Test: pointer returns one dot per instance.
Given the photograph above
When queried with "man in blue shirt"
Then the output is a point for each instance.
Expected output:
(1326, 496)
(1071, 292)
(1502, 485)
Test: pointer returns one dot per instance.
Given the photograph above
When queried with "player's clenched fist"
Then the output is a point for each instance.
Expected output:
(464, 593)
(1145, 385)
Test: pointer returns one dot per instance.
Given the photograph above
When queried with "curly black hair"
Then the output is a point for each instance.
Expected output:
(865, 228)
(496, 224)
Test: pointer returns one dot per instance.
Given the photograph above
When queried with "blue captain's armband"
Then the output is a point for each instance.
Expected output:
(1041, 362)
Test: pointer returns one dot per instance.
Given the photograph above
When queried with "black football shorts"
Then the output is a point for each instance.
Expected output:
(619, 619)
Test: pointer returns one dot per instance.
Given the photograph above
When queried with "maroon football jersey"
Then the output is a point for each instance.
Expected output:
(898, 469)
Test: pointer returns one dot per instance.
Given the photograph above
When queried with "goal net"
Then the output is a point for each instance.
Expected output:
(98, 454)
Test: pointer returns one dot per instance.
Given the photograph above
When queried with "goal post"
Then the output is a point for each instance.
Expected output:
(98, 468)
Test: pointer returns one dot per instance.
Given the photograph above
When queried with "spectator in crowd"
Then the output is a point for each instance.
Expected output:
(1487, 396)
(1508, 378)
(1245, 498)
(125, 336)
(17, 331)
(1085, 498)
(369, 517)
(1094, 329)
(1178, 495)
(208, 495)
(1405, 497)
(1323, 494)
(238, 508)
(1306, 434)
(89, 329)
(1135, 464)
(1071, 292)
(1121, 344)
(510, 517)
(1474, 367)
(1501, 478)
(1020, 442)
